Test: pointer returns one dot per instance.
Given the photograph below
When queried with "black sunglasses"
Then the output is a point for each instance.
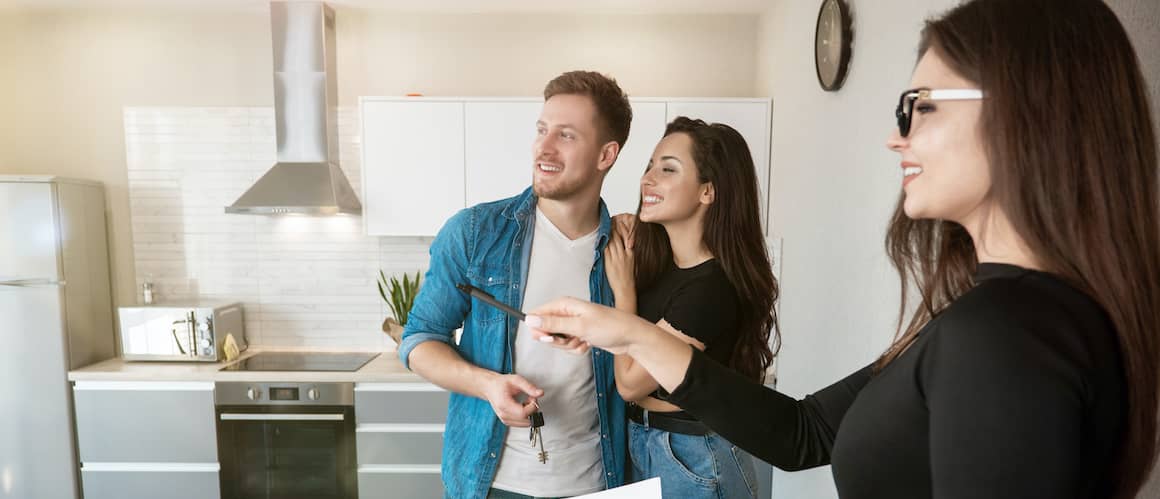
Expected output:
(905, 110)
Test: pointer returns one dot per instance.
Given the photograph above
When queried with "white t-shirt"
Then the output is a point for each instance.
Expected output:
(571, 432)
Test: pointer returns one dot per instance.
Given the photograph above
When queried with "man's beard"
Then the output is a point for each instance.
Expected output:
(558, 190)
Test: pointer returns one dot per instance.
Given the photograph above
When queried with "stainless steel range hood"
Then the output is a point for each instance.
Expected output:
(306, 179)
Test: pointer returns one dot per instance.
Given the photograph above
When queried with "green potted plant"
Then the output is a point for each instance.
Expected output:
(399, 295)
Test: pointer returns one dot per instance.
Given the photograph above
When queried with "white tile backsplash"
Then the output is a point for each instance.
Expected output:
(304, 281)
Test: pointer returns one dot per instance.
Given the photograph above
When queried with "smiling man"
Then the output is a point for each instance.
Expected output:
(526, 250)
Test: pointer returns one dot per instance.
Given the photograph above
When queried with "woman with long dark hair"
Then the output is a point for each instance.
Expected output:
(695, 251)
(1030, 224)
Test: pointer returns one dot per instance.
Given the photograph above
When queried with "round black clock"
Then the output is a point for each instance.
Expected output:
(832, 44)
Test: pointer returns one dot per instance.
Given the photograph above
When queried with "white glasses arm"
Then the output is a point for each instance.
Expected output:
(951, 94)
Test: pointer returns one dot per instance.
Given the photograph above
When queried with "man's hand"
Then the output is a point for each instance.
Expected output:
(503, 392)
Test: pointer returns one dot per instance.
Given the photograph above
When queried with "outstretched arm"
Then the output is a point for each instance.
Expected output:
(778, 429)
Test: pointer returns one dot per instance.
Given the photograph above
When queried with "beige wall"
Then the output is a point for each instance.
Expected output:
(504, 55)
(834, 185)
(68, 74)
(72, 72)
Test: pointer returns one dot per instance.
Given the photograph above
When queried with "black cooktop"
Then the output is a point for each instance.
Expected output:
(303, 361)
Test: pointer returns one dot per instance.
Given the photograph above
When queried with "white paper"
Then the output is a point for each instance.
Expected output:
(647, 489)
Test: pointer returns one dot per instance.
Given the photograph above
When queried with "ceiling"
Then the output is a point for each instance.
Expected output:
(435, 6)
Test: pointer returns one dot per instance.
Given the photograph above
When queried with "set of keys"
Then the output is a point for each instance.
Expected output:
(537, 419)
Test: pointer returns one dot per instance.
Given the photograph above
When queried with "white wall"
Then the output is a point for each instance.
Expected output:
(834, 185)
(833, 189)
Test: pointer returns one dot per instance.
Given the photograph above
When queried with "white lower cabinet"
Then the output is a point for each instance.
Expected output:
(147, 439)
(393, 483)
(399, 433)
(150, 481)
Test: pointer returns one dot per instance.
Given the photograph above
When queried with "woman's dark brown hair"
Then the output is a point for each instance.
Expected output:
(1072, 152)
(732, 233)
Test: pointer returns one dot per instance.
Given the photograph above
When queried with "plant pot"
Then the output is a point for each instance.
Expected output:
(393, 329)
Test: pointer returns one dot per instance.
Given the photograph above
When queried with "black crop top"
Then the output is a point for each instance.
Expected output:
(698, 301)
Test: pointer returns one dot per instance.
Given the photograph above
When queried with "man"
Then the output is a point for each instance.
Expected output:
(526, 250)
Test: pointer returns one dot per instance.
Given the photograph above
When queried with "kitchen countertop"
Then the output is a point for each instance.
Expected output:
(386, 368)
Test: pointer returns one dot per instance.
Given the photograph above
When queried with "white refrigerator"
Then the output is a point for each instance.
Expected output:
(56, 314)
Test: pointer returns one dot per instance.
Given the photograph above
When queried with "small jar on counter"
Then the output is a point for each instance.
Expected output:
(147, 292)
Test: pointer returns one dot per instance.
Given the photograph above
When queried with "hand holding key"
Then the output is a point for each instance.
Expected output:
(503, 393)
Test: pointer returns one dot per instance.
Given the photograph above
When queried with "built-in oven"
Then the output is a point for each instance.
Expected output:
(286, 440)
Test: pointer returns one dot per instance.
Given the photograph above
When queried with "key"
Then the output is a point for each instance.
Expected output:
(537, 419)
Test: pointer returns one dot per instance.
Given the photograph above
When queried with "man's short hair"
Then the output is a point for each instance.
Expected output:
(613, 111)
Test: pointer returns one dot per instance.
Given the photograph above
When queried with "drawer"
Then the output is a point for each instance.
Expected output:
(388, 446)
(177, 417)
(379, 484)
(136, 482)
(399, 403)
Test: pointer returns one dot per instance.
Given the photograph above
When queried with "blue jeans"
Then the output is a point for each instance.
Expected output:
(691, 466)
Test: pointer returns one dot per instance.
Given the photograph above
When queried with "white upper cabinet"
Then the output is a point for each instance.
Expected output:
(412, 159)
(499, 136)
(621, 191)
(423, 158)
(750, 117)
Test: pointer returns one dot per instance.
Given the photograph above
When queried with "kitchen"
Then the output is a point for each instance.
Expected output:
(170, 105)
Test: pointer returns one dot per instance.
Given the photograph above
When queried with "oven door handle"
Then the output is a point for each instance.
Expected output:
(232, 416)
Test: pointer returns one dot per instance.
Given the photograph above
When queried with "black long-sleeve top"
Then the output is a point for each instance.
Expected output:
(1016, 390)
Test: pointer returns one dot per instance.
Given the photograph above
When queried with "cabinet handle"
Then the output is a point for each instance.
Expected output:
(28, 283)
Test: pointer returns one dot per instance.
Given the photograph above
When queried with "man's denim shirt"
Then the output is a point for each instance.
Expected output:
(488, 246)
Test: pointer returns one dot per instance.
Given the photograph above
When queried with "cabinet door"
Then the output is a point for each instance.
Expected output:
(412, 160)
(499, 137)
(399, 444)
(400, 403)
(751, 119)
(131, 481)
(621, 191)
(400, 439)
(113, 417)
(377, 482)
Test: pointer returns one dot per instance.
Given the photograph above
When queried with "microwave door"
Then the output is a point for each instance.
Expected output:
(153, 333)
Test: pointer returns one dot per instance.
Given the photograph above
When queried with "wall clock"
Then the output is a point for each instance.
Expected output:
(832, 39)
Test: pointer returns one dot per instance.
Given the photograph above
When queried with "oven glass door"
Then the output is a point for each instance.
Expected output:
(287, 452)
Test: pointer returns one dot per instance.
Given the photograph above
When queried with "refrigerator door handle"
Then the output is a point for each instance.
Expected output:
(28, 283)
